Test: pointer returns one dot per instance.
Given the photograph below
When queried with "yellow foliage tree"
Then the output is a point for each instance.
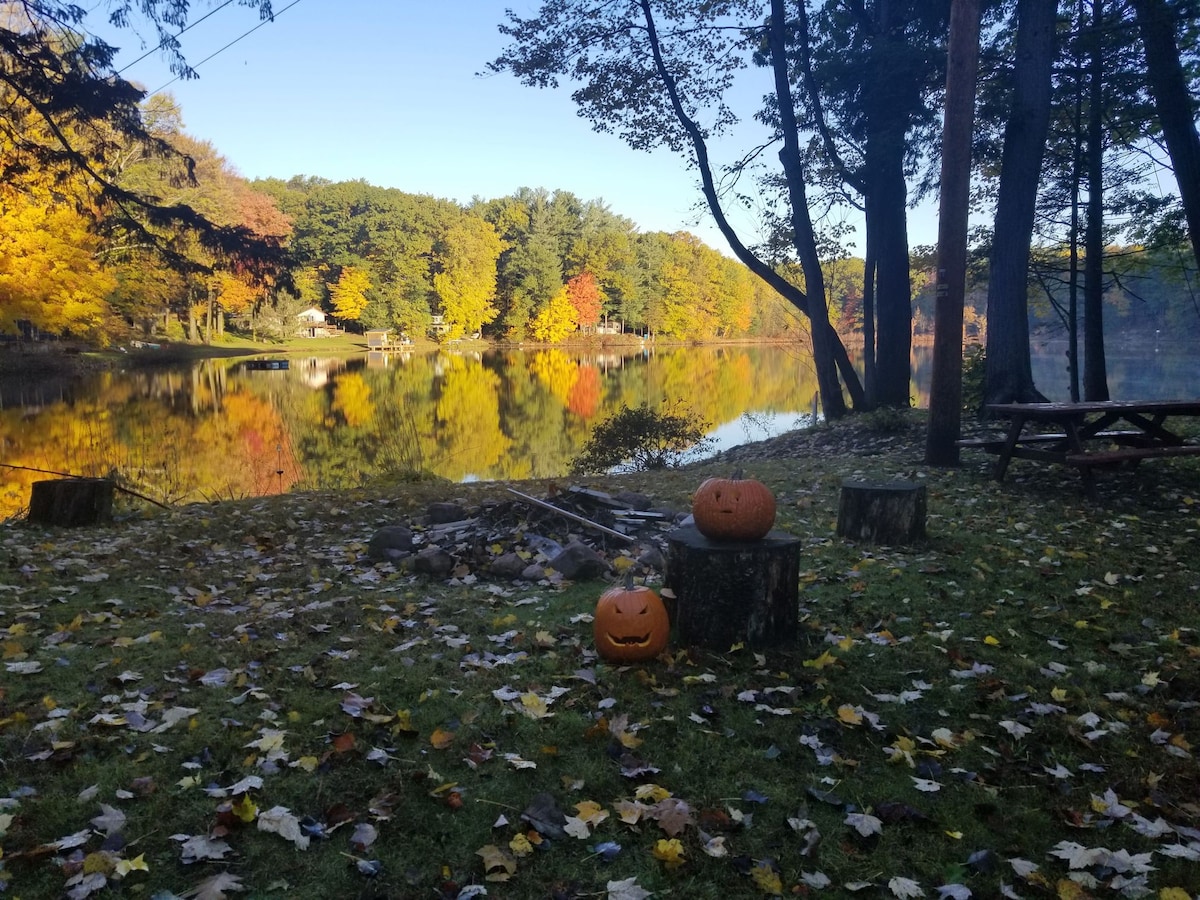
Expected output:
(49, 272)
(556, 320)
(350, 293)
(466, 286)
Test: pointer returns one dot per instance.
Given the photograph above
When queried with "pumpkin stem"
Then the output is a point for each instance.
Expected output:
(736, 476)
(629, 580)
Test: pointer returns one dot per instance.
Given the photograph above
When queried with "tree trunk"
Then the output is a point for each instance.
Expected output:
(886, 512)
(1095, 376)
(208, 319)
(823, 335)
(945, 396)
(70, 502)
(836, 359)
(1175, 107)
(886, 203)
(731, 592)
(1009, 373)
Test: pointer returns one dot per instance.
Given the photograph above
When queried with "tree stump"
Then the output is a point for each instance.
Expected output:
(728, 592)
(882, 512)
(71, 502)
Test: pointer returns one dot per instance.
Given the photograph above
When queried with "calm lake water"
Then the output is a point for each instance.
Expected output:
(224, 428)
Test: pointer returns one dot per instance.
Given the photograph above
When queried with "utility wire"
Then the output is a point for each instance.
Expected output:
(230, 44)
(181, 31)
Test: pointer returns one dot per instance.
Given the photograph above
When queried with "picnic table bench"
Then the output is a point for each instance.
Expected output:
(1082, 435)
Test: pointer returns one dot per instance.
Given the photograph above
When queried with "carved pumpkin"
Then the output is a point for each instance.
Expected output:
(733, 509)
(631, 624)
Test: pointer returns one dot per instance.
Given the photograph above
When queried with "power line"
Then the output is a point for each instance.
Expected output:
(230, 44)
(164, 41)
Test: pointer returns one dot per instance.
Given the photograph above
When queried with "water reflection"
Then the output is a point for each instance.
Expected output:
(226, 428)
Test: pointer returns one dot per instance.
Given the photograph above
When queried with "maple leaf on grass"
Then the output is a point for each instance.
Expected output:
(669, 853)
(626, 889)
(215, 888)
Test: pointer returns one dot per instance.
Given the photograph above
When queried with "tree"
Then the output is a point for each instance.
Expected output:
(556, 320)
(65, 110)
(1008, 374)
(584, 294)
(466, 255)
(945, 399)
(349, 295)
(646, 70)
(1175, 105)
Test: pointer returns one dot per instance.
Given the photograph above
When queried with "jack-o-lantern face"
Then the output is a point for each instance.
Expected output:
(733, 509)
(631, 624)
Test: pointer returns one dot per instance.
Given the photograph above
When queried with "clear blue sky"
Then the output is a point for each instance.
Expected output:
(390, 91)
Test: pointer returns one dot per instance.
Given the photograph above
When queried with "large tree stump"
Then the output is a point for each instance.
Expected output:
(730, 592)
(71, 502)
(882, 512)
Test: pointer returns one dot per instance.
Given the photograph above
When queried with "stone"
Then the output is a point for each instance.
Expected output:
(633, 500)
(390, 543)
(533, 572)
(441, 513)
(579, 562)
(510, 565)
(652, 558)
(433, 561)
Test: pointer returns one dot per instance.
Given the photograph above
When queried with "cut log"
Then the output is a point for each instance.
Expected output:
(70, 502)
(882, 512)
(729, 592)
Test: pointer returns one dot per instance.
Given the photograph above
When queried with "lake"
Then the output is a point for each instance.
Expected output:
(225, 428)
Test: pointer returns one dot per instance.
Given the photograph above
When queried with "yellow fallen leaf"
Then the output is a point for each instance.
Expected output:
(669, 853)
(845, 643)
(307, 763)
(1066, 889)
(137, 864)
(245, 809)
(991, 641)
(520, 846)
(766, 879)
(534, 706)
(651, 792)
(848, 715)
(821, 662)
(957, 835)
(1058, 694)
(441, 738)
(591, 812)
(1174, 893)
(498, 864)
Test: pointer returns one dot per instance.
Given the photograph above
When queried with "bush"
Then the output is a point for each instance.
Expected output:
(974, 364)
(641, 439)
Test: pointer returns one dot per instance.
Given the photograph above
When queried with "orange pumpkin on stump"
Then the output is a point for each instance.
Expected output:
(733, 509)
(631, 623)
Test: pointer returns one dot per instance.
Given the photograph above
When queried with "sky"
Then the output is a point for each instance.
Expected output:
(390, 91)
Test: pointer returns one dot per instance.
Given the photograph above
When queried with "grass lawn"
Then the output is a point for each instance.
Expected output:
(231, 698)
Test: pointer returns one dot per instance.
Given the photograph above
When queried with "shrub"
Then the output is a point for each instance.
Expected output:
(641, 438)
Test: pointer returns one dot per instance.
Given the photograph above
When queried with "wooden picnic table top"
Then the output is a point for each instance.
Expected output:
(1060, 411)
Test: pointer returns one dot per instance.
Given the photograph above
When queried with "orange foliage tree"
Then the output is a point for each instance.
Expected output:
(584, 293)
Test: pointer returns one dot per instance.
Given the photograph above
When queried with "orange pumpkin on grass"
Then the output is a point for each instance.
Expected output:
(631, 624)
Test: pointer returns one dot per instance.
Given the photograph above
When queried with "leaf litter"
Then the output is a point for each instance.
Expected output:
(251, 658)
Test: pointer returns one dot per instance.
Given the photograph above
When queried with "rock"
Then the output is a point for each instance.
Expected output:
(510, 565)
(433, 561)
(633, 500)
(579, 562)
(441, 513)
(535, 572)
(652, 558)
(390, 543)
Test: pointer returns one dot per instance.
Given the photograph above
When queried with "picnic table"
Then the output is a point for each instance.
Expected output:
(1087, 435)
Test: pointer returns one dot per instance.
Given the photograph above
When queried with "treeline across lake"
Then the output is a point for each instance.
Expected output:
(535, 265)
